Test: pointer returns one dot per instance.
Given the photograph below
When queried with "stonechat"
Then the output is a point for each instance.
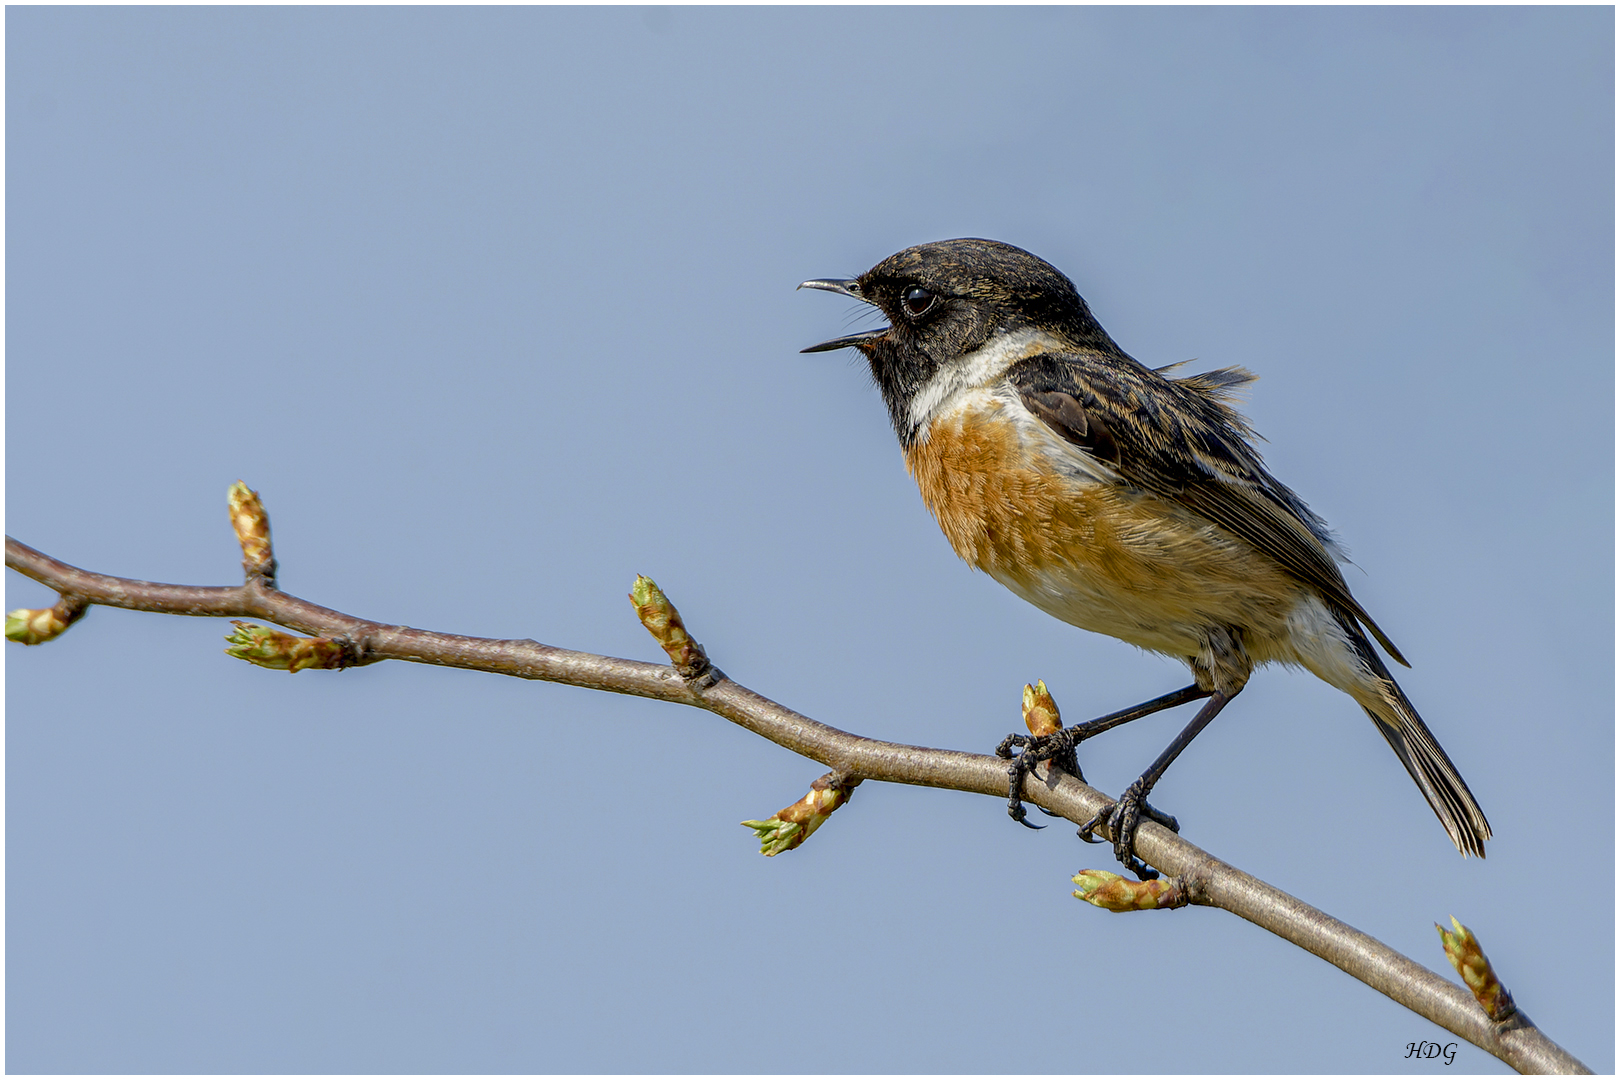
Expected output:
(1120, 499)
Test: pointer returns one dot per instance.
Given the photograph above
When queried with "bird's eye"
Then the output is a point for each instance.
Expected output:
(916, 300)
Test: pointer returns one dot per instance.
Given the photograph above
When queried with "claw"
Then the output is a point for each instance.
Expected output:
(1088, 831)
(1122, 823)
(1123, 818)
(1161, 818)
(1141, 869)
(1017, 812)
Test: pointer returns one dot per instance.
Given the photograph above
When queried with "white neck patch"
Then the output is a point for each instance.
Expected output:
(974, 370)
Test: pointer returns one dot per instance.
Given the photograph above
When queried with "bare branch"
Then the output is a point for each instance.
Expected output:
(1198, 876)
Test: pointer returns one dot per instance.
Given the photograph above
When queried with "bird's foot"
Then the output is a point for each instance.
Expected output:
(1121, 819)
(1057, 748)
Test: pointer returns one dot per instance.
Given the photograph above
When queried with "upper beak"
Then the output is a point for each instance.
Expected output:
(847, 286)
(851, 288)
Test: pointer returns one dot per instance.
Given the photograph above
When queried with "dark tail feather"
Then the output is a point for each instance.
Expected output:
(1437, 777)
(1420, 752)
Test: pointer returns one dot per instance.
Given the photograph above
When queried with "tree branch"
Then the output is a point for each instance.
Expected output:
(1198, 877)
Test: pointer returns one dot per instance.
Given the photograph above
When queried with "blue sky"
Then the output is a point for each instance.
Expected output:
(496, 308)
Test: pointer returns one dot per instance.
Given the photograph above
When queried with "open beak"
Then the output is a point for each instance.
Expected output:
(852, 289)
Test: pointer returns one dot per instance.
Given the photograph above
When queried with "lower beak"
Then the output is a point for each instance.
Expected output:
(852, 289)
(864, 338)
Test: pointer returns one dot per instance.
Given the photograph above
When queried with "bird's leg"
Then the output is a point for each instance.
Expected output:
(1123, 817)
(1059, 746)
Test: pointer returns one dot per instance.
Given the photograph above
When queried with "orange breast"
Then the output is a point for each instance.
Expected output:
(997, 508)
(1104, 556)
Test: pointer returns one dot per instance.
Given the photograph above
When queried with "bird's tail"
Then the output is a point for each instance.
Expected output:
(1420, 752)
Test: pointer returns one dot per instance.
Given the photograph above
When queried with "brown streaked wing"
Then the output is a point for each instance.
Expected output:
(1223, 481)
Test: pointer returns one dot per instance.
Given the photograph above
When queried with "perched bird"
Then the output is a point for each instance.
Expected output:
(1119, 499)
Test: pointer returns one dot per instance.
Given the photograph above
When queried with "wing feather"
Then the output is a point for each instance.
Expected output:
(1179, 439)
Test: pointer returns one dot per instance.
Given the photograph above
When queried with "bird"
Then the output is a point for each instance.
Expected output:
(1122, 499)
